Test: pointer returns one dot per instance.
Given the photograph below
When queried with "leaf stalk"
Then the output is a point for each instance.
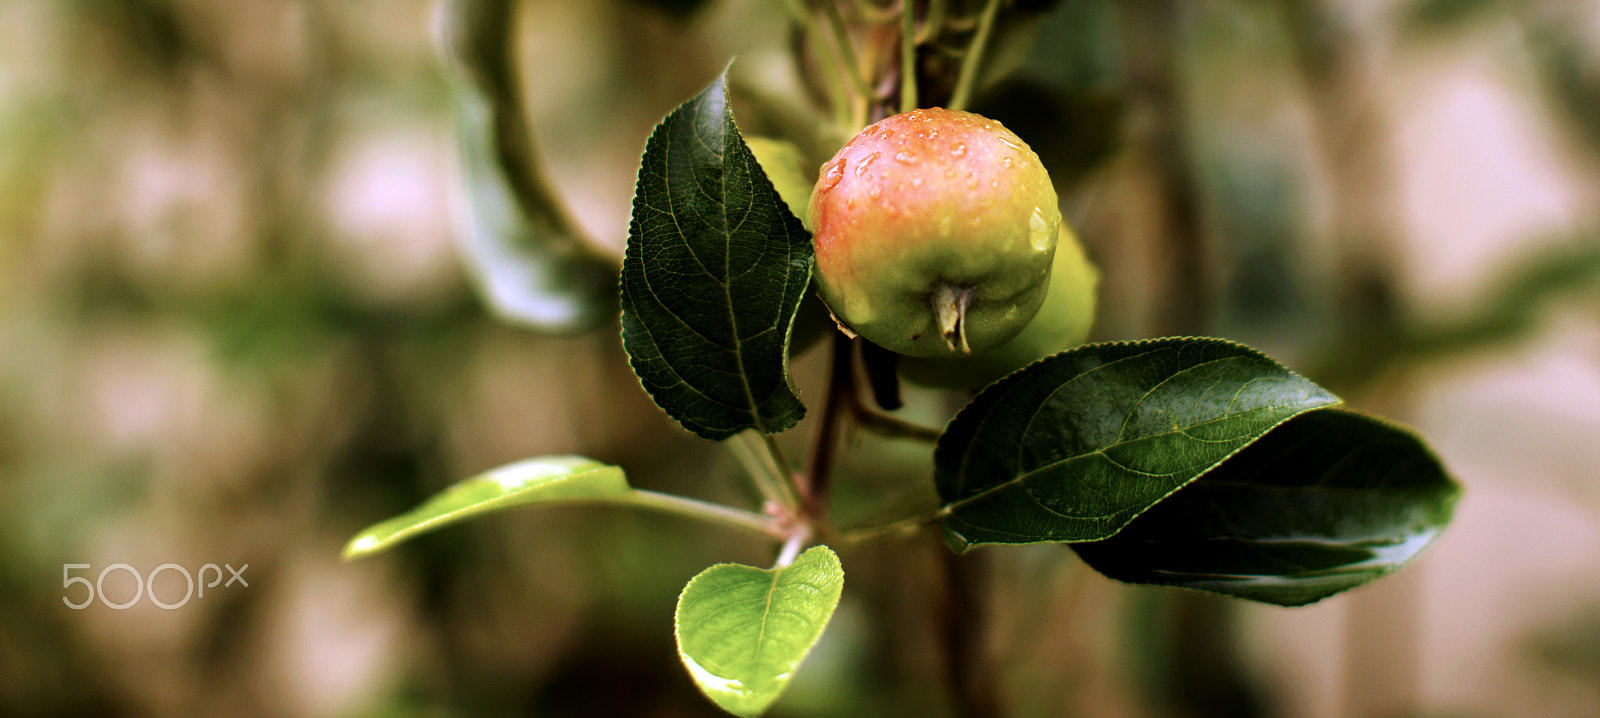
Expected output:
(764, 463)
(879, 533)
(791, 548)
(971, 65)
(847, 52)
(908, 57)
(931, 24)
(838, 94)
(719, 514)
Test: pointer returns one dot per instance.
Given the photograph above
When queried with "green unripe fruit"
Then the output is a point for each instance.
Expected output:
(783, 164)
(934, 233)
(781, 161)
(1062, 323)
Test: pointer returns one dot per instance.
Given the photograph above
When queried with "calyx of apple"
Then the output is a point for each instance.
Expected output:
(1062, 323)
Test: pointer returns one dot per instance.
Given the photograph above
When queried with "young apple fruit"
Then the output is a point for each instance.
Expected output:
(934, 233)
(782, 161)
(1062, 323)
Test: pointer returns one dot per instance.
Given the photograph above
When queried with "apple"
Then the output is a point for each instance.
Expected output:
(934, 232)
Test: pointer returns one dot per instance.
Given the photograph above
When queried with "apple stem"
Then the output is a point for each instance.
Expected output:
(950, 304)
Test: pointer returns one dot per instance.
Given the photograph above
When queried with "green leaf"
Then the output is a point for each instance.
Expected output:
(1074, 446)
(715, 268)
(530, 263)
(1326, 502)
(547, 479)
(742, 631)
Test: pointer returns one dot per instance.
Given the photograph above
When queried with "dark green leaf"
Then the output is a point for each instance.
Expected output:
(1326, 502)
(531, 264)
(1074, 446)
(742, 631)
(715, 269)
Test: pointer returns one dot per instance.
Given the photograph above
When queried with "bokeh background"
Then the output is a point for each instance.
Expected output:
(234, 328)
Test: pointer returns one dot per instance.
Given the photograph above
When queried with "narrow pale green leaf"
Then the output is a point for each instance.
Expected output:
(715, 269)
(742, 631)
(1326, 502)
(531, 265)
(1074, 446)
(546, 479)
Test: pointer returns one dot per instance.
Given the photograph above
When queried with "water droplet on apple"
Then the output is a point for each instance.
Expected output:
(875, 192)
(958, 150)
(1007, 162)
(861, 167)
(832, 174)
(1039, 230)
(972, 180)
(906, 157)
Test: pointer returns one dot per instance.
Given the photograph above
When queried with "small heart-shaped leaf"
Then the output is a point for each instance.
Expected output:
(1074, 446)
(742, 631)
(532, 481)
(1326, 502)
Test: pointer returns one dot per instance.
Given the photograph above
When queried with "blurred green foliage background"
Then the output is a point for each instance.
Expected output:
(234, 328)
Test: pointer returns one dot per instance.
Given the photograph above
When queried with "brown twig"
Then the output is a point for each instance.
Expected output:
(972, 680)
(840, 393)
